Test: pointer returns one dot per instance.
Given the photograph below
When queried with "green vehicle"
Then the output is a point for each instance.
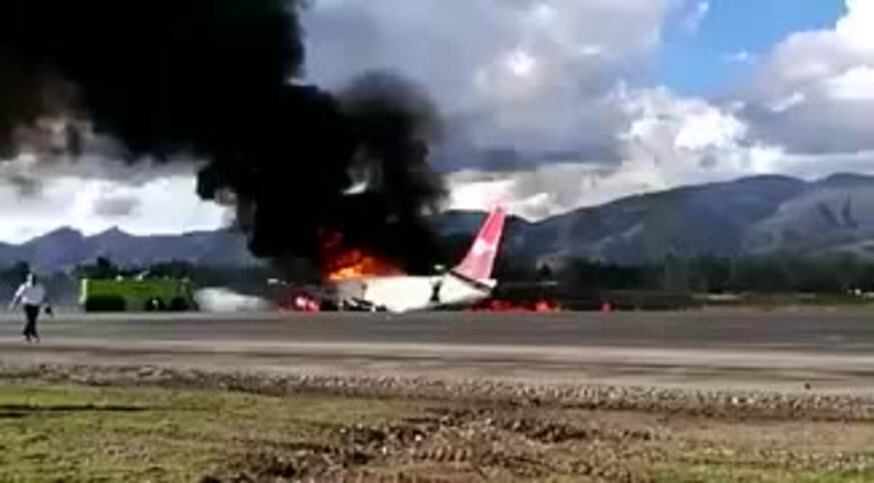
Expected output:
(136, 295)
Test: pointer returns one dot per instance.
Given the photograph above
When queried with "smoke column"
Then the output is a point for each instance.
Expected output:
(214, 79)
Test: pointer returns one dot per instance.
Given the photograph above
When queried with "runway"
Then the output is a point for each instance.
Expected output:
(824, 350)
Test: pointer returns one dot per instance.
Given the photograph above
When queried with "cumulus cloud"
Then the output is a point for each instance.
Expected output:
(855, 84)
(809, 113)
(666, 141)
(41, 189)
(168, 204)
(530, 75)
(815, 93)
(542, 117)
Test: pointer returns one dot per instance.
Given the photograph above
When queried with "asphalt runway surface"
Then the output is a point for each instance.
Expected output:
(825, 350)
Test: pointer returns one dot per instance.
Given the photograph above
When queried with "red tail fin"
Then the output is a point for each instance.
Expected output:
(480, 260)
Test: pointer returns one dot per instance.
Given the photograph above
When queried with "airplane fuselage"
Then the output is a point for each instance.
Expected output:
(468, 283)
(412, 293)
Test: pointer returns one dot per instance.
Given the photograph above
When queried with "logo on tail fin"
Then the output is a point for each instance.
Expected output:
(480, 260)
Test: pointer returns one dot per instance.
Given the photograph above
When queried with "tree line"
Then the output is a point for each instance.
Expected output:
(773, 274)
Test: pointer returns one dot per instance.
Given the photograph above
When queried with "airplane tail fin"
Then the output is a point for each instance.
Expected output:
(480, 260)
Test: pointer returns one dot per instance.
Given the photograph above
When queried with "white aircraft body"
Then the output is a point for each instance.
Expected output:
(468, 283)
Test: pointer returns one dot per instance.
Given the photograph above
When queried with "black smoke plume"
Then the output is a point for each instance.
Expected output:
(215, 79)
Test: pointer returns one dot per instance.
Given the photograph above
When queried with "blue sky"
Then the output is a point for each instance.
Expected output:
(701, 58)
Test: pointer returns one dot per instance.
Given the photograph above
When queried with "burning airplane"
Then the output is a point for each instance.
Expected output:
(361, 281)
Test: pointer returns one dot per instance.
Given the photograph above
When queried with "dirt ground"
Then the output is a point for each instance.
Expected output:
(135, 423)
(500, 443)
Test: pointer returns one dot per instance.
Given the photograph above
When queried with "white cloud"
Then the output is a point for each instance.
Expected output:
(536, 75)
(95, 192)
(815, 92)
(520, 63)
(693, 20)
(540, 75)
(673, 140)
(855, 28)
(533, 194)
(856, 84)
(667, 141)
(554, 189)
(524, 74)
(786, 103)
(741, 57)
(687, 124)
(168, 204)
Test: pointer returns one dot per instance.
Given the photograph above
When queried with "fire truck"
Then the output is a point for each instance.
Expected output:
(137, 294)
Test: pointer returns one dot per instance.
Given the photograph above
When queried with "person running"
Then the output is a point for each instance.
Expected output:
(32, 296)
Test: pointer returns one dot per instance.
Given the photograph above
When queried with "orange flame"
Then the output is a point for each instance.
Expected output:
(355, 264)
(341, 263)
(540, 306)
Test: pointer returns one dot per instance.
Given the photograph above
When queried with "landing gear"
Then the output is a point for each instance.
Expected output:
(358, 305)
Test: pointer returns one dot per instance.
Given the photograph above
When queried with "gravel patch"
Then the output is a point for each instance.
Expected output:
(706, 403)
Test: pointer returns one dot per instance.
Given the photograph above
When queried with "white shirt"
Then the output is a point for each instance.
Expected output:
(31, 294)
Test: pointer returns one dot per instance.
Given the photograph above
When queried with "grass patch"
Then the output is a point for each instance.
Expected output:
(73, 433)
(100, 434)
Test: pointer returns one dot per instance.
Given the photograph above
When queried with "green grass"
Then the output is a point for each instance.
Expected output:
(73, 433)
(87, 434)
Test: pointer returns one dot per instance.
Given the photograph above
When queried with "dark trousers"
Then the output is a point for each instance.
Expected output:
(32, 313)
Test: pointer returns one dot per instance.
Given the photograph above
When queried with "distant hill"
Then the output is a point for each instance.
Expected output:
(65, 248)
(753, 216)
(761, 215)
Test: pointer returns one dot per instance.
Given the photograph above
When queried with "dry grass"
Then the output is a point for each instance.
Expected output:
(71, 433)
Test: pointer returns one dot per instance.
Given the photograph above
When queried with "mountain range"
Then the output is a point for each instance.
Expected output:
(755, 216)
(65, 248)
